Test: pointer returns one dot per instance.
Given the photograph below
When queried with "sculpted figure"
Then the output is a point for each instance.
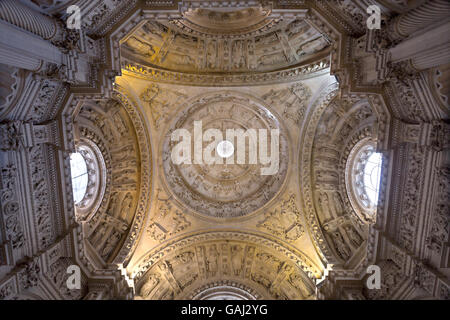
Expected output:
(148, 287)
(211, 260)
(236, 259)
(126, 205)
(341, 247)
(141, 47)
(312, 46)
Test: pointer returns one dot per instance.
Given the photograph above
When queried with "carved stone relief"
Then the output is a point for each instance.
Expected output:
(223, 190)
(342, 124)
(106, 126)
(184, 46)
(168, 220)
(180, 273)
(284, 221)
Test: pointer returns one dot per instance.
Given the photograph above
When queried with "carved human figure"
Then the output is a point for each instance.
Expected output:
(185, 257)
(150, 93)
(261, 280)
(212, 260)
(126, 206)
(267, 261)
(113, 204)
(141, 47)
(110, 244)
(353, 235)
(237, 259)
(338, 204)
(120, 124)
(312, 46)
(341, 246)
(152, 281)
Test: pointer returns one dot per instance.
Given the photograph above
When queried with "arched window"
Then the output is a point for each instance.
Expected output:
(372, 170)
(362, 178)
(79, 173)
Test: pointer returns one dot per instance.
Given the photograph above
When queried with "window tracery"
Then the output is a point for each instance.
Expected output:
(363, 174)
(88, 178)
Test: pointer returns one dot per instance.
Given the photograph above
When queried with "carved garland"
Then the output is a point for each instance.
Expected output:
(311, 70)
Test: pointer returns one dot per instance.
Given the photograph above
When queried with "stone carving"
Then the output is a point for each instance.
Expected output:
(439, 231)
(224, 190)
(110, 244)
(40, 110)
(145, 174)
(10, 209)
(14, 231)
(188, 256)
(284, 221)
(424, 278)
(264, 47)
(168, 221)
(353, 236)
(392, 277)
(237, 259)
(150, 284)
(8, 181)
(408, 101)
(341, 247)
(159, 100)
(212, 260)
(291, 101)
(12, 81)
(41, 188)
(7, 291)
(180, 272)
(411, 201)
(110, 203)
(11, 136)
(295, 73)
(58, 275)
(29, 276)
(352, 13)
(182, 45)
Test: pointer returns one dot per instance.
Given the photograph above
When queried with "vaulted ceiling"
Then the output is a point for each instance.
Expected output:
(148, 227)
(224, 222)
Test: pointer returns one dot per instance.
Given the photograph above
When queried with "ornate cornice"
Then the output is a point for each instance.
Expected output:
(311, 70)
(319, 106)
(146, 175)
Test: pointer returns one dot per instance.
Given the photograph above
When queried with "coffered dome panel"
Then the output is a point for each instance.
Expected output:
(216, 42)
(226, 22)
(223, 189)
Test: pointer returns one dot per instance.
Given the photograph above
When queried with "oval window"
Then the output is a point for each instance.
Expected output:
(80, 177)
(362, 179)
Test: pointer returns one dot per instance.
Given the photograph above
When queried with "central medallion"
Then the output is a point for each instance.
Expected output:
(225, 155)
